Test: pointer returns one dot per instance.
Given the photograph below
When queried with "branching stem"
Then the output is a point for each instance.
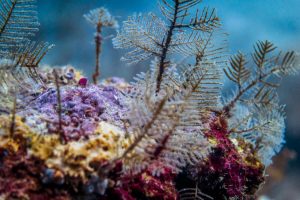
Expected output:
(98, 44)
(166, 45)
(227, 108)
(13, 118)
(147, 127)
(8, 16)
(59, 108)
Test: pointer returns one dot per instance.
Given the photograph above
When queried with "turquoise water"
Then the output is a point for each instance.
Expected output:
(245, 21)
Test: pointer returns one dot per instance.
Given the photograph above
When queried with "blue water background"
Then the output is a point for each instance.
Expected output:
(246, 22)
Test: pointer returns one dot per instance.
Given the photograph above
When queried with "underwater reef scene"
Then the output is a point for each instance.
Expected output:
(170, 134)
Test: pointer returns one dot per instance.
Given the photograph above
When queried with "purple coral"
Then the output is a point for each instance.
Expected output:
(82, 109)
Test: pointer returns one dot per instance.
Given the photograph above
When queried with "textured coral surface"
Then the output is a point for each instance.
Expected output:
(36, 165)
(232, 170)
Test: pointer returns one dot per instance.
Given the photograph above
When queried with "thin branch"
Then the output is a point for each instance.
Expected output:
(227, 108)
(166, 46)
(98, 44)
(206, 22)
(161, 146)
(146, 128)
(249, 129)
(100, 18)
(201, 52)
(13, 118)
(59, 108)
(8, 17)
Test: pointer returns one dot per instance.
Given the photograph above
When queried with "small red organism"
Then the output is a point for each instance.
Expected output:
(83, 82)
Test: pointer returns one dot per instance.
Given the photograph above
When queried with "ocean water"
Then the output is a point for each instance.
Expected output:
(62, 24)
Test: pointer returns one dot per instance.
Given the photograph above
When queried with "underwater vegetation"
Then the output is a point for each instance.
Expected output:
(170, 134)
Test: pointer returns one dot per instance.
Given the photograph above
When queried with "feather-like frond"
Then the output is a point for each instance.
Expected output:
(147, 37)
(204, 82)
(179, 10)
(18, 22)
(18, 66)
(143, 35)
(207, 21)
(258, 117)
(238, 72)
(159, 121)
(261, 83)
(210, 46)
(261, 50)
(270, 138)
(102, 17)
(19, 56)
(263, 127)
(31, 54)
(288, 64)
(181, 7)
(213, 48)
(264, 97)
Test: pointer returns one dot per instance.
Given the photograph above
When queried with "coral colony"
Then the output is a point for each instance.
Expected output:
(168, 135)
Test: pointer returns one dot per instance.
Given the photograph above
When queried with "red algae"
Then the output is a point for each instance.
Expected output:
(147, 185)
(225, 167)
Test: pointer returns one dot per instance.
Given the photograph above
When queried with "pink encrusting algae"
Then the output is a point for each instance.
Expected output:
(240, 175)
